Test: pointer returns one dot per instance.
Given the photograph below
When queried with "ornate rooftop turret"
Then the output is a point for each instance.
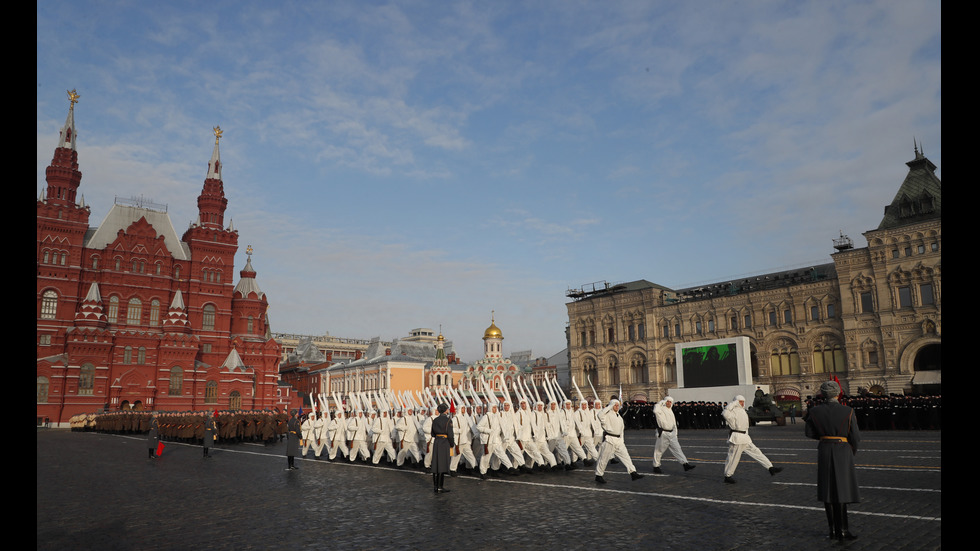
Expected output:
(212, 202)
(62, 175)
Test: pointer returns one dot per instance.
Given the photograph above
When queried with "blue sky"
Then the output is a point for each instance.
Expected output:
(410, 164)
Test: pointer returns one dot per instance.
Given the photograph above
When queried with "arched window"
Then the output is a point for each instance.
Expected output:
(49, 305)
(590, 371)
(176, 381)
(670, 370)
(141, 356)
(638, 369)
(113, 310)
(613, 378)
(251, 322)
(785, 362)
(154, 313)
(208, 324)
(211, 393)
(128, 355)
(134, 312)
(235, 400)
(42, 390)
(86, 379)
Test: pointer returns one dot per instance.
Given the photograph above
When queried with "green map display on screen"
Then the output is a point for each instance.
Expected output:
(710, 365)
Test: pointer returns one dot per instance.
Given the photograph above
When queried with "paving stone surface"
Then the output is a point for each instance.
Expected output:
(99, 491)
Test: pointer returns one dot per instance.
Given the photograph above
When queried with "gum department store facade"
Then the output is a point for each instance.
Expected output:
(129, 315)
(872, 317)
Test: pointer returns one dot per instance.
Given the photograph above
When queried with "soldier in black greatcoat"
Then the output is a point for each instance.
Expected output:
(442, 439)
(292, 439)
(835, 426)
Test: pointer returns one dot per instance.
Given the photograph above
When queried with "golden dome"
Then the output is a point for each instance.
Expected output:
(492, 332)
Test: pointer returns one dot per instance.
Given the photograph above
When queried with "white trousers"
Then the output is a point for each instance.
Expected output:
(735, 453)
(668, 441)
(610, 447)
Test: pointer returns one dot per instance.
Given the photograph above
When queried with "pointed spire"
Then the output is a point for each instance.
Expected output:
(176, 321)
(62, 175)
(214, 165)
(247, 284)
(211, 203)
(91, 313)
(67, 139)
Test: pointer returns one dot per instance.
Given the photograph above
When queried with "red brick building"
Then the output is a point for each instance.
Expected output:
(129, 315)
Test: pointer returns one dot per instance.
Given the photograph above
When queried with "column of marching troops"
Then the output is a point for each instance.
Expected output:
(490, 433)
(551, 433)
(266, 426)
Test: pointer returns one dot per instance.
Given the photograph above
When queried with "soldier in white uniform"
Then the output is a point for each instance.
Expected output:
(382, 429)
(319, 435)
(584, 418)
(337, 434)
(739, 441)
(614, 443)
(508, 431)
(572, 436)
(539, 434)
(408, 433)
(555, 431)
(357, 428)
(307, 433)
(667, 435)
(523, 422)
(492, 438)
(463, 435)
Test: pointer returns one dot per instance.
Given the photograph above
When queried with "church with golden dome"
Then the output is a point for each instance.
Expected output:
(491, 365)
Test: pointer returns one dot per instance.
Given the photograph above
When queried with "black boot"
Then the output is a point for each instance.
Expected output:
(845, 533)
(829, 509)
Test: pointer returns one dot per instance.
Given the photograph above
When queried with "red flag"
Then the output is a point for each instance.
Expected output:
(836, 380)
(159, 449)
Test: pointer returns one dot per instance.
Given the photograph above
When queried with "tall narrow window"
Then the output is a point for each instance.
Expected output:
(86, 379)
(209, 311)
(113, 310)
(176, 381)
(141, 356)
(42, 390)
(211, 393)
(925, 294)
(904, 297)
(867, 304)
(134, 312)
(49, 305)
(154, 313)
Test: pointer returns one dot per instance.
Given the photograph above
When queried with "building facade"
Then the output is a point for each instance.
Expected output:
(872, 316)
(129, 315)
